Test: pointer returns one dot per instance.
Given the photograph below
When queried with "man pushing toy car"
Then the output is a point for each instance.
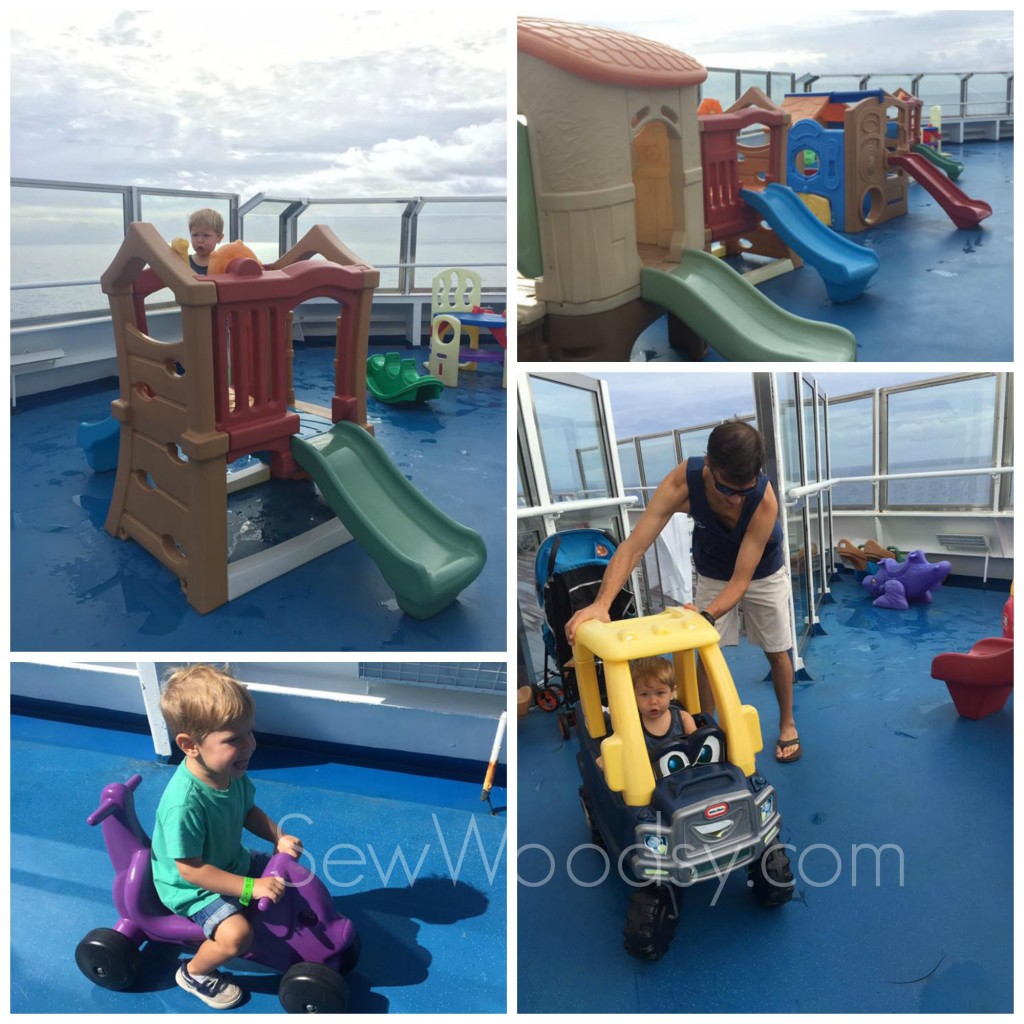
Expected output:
(737, 551)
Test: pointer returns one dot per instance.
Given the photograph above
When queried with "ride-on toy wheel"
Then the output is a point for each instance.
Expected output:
(313, 988)
(595, 835)
(650, 923)
(771, 878)
(350, 957)
(108, 959)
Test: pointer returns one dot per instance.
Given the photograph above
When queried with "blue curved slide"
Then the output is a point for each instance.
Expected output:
(844, 266)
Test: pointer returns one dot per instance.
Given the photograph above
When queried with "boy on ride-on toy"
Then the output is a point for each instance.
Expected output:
(200, 868)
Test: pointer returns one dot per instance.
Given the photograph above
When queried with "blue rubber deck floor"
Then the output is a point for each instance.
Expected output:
(76, 588)
(886, 760)
(940, 293)
(432, 925)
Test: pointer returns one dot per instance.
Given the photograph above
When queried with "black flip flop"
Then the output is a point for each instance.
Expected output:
(784, 745)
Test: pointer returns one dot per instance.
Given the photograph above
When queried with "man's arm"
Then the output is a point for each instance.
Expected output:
(671, 496)
(759, 531)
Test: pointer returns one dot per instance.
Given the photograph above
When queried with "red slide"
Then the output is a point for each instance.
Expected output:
(963, 211)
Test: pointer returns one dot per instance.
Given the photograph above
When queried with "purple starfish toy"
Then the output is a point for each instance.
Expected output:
(896, 584)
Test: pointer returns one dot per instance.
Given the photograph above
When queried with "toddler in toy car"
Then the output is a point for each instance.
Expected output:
(200, 867)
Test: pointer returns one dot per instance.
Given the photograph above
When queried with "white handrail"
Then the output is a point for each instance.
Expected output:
(579, 505)
(794, 494)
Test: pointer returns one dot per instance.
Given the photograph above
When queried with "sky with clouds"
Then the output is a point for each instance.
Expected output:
(808, 39)
(647, 402)
(340, 103)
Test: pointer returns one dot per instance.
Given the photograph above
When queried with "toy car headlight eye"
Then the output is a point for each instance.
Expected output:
(767, 808)
(656, 843)
(711, 752)
(674, 761)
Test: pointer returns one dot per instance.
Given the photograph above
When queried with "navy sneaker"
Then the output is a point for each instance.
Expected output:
(216, 991)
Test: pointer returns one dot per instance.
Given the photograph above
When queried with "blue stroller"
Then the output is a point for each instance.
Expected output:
(568, 570)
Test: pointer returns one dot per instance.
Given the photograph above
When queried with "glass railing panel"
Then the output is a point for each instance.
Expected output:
(749, 79)
(779, 85)
(940, 90)
(629, 467)
(941, 427)
(986, 94)
(373, 231)
(890, 83)
(461, 234)
(170, 214)
(836, 83)
(62, 235)
(568, 423)
(721, 86)
(694, 442)
(261, 229)
(852, 445)
(658, 457)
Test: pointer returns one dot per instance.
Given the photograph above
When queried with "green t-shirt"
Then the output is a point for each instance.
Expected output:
(196, 820)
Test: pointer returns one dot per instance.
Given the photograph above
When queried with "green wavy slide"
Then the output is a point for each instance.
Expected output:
(425, 556)
(738, 321)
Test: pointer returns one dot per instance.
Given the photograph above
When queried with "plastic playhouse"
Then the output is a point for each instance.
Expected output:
(188, 409)
(302, 935)
(626, 186)
(859, 151)
(622, 187)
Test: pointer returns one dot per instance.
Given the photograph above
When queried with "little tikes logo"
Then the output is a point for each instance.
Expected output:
(716, 811)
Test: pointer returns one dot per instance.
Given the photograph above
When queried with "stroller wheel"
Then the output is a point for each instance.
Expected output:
(549, 697)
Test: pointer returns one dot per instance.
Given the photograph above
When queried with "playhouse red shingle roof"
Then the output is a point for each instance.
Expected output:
(604, 55)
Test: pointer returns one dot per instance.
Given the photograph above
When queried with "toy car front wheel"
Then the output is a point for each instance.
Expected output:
(108, 959)
(313, 988)
(771, 878)
(650, 923)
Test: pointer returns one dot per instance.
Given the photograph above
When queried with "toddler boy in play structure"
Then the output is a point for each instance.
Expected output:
(206, 228)
(200, 868)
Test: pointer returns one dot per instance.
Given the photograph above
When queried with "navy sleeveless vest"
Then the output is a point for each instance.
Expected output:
(714, 548)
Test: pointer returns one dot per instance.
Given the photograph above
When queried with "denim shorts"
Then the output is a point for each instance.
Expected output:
(224, 906)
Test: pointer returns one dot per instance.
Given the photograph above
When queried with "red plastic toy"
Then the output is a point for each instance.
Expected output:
(981, 681)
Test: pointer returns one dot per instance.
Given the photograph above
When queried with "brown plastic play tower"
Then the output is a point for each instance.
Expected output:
(188, 408)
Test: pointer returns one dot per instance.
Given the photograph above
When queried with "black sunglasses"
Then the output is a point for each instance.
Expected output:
(741, 492)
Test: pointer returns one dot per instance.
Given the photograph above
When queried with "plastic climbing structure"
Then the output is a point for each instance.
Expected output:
(189, 408)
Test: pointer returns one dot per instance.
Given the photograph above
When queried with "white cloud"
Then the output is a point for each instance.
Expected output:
(396, 101)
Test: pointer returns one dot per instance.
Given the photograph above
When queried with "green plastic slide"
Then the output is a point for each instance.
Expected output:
(393, 379)
(426, 557)
(736, 320)
(953, 168)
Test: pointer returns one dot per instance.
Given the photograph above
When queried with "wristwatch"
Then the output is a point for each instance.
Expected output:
(707, 615)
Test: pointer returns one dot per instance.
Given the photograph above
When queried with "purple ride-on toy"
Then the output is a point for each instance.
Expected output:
(301, 935)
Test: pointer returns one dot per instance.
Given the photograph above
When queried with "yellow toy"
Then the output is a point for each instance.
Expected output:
(180, 246)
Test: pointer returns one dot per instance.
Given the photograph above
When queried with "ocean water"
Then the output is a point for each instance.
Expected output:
(456, 241)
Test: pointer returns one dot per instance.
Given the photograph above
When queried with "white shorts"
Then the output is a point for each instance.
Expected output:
(767, 611)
